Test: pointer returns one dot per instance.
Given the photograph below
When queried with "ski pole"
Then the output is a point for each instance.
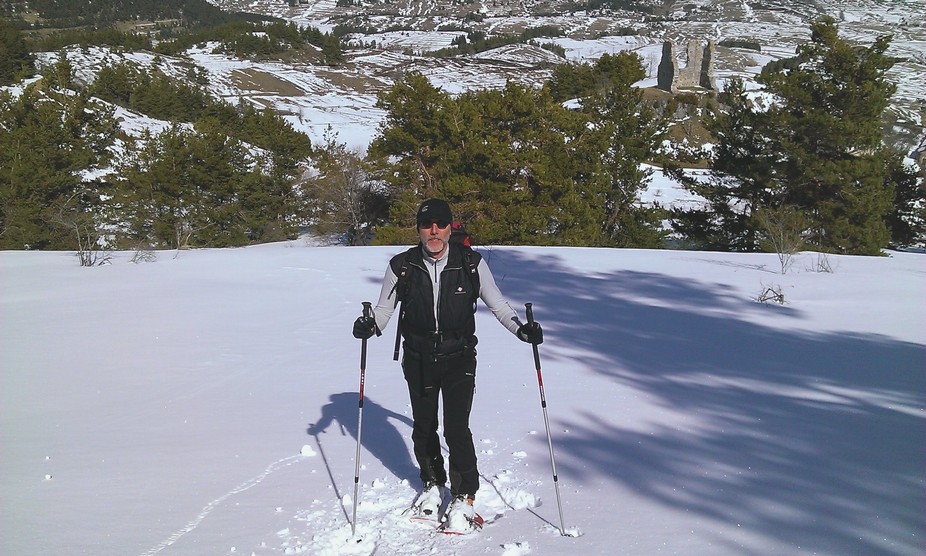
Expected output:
(367, 312)
(546, 422)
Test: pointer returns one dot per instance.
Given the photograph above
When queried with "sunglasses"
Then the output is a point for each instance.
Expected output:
(440, 224)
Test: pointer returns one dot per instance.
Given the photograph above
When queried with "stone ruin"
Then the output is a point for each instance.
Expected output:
(697, 73)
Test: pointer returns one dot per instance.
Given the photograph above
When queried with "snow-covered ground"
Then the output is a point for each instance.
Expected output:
(206, 404)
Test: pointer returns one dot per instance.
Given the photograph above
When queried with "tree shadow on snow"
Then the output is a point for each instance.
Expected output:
(813, 440)
(380, 438)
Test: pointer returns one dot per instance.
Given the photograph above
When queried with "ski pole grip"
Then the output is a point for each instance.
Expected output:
(368, 312)
(529, 311)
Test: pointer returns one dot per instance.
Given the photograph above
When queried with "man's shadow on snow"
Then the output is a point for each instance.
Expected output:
(380, 438)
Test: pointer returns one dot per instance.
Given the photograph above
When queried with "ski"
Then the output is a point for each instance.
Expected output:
(427, 511)
(475, 525)
(424, 519)
(427, 506)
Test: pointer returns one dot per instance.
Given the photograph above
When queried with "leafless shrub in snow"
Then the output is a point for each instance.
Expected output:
(143, 254)
(822, 264)
(82, 225)
(771, 294)
(782, 232)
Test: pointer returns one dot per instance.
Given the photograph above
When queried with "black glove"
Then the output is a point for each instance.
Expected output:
(531, 333)
(364, 328)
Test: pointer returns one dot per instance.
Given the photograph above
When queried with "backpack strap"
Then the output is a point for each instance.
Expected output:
(471, 260)
(400, 265)
(400, 269)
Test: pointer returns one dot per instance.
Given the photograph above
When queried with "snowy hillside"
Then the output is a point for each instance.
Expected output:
(207, 404)
(777, 25)
(315, 97)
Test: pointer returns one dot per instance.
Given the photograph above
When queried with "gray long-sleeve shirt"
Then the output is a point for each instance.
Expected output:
(488, 292)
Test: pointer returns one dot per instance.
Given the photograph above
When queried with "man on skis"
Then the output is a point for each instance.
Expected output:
(438, 283)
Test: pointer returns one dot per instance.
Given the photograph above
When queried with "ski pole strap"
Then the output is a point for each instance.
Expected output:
(528, 309)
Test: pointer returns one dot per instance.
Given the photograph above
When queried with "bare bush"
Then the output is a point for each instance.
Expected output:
(771, 294)
(144, 254)
(344, 199)
(782, 232)
(82, 225)
(822, 264)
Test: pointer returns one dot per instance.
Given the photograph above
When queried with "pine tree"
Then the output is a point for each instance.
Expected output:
(829, 133)
(907, 220)
(49, 139)
(624, 132)
(405, 151)
(152, 190)
(743, 178)
(16, 60)
(816, 148)
(529, 176)
(517, 165)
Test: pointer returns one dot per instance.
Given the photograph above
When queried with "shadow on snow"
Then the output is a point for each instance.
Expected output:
(380, 436)
(811, 439)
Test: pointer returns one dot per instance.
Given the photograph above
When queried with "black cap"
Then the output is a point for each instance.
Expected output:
(434, 210)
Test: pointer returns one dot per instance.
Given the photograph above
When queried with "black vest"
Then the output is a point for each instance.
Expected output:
(459, 290)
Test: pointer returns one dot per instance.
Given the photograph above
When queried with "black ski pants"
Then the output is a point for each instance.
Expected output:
(452, 380)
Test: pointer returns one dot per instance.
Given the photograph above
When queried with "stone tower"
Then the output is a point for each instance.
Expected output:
(697, 73)
(668, 67)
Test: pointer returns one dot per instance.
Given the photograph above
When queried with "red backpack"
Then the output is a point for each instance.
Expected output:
(459, 235)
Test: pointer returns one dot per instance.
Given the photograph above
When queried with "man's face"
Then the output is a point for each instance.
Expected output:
(434, 236)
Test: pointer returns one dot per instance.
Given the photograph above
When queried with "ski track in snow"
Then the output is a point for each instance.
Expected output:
(194, 523)
(383, 527)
